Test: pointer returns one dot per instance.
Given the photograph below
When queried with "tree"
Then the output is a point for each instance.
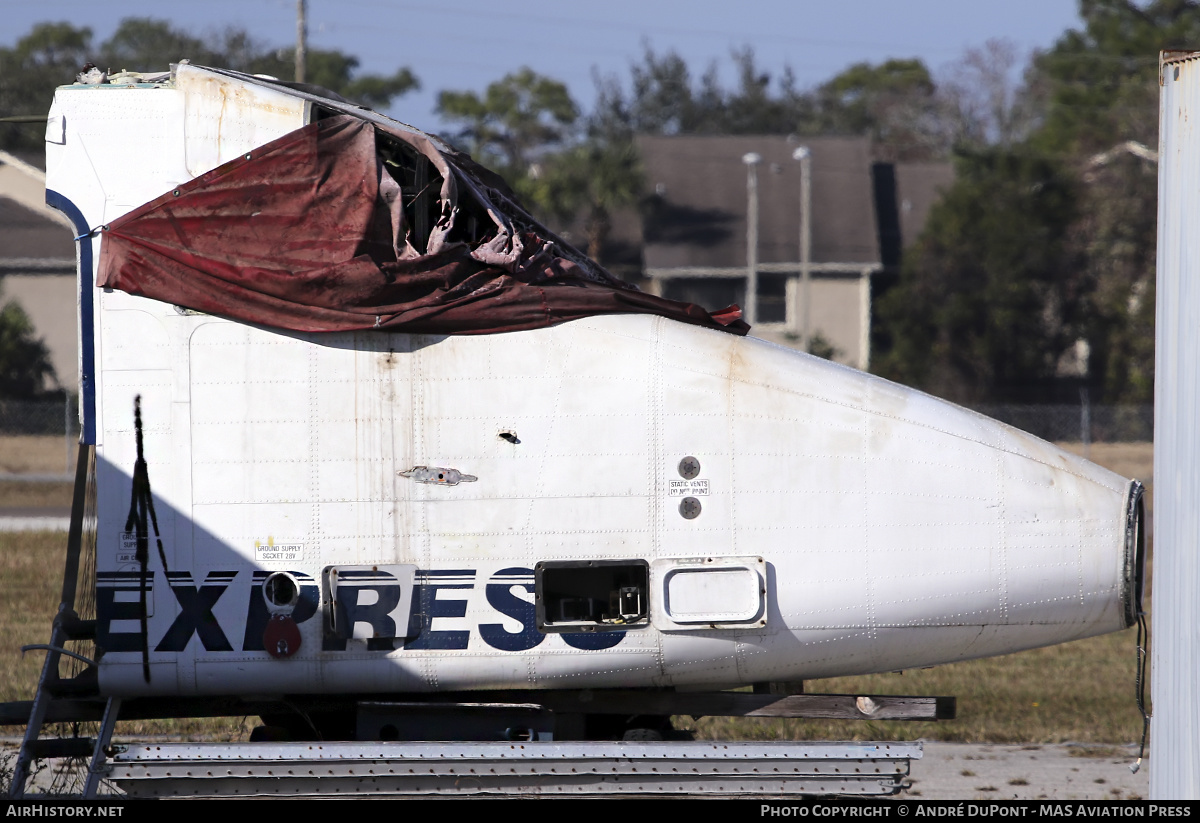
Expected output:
(24, 360)
(663, 99)
(50, 55)
(981, 104)
(1101, 81)
(591, 180)
(990, 296)
(1086, 284)
(1099, 89)
(374, 90)
(333, 70)
(894, 103)
(53, 54)
(753, 109)
(143, 44)
(515, 123)
(526, 127)
(1116, 240)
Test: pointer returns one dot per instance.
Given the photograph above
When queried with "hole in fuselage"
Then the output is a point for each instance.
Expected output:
(280, 590)
(590, 596)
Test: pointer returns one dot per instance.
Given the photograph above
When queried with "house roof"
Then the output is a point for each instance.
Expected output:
(697, 214)
(918, 187)
(25, 235)
(33, 237)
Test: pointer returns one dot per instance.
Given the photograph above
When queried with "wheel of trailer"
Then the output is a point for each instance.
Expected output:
(642, 735)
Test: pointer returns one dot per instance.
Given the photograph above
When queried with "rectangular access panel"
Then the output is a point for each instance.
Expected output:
(592, 595)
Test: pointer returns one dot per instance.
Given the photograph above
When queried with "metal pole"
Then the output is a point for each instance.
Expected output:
(805, 157)
(301, 38)
(107, 724)
(750, 310)
(1175, 651)
(1085, 422)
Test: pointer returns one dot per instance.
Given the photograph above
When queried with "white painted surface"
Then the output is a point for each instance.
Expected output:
(1175, 650)
(717, 596)
(701, 593)
(224, 119)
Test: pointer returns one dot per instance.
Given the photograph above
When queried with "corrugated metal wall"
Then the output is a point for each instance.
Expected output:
(1175, 652)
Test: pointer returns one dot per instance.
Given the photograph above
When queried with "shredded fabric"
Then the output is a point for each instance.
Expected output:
(340, 226)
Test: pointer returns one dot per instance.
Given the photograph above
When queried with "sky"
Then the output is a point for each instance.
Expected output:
(467, 44)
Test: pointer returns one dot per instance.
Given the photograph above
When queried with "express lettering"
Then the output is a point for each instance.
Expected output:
(364, 608)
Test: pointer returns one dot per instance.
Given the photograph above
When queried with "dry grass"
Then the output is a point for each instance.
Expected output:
(1126, 459)
(21, 454)
(1135, 460)
(36, 454)
(1098, 752)
(1082, 691)
(19, 494)
(31, 566)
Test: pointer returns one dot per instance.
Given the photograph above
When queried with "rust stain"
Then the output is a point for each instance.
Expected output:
(221, 90)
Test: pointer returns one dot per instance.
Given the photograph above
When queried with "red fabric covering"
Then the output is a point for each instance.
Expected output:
(297, 236)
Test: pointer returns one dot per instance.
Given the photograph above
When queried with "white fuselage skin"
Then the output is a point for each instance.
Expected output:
(881, 528)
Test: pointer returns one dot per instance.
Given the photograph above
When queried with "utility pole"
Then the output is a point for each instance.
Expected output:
(750, 310)
(301, 38)
(805, 157)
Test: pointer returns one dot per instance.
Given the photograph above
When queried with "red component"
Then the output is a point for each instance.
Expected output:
(281, 637)
(310, 233)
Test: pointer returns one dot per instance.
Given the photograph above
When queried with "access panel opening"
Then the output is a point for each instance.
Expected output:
(592, 595)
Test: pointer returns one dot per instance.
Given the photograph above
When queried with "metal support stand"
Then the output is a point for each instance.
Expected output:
(37, 717)
(102, 742)
(58, 635)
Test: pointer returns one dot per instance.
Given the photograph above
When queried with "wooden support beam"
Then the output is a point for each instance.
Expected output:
(597, 701)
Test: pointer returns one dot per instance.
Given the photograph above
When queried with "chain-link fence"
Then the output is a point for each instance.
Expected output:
(39, 417)
(38, 439)
(1079, 423)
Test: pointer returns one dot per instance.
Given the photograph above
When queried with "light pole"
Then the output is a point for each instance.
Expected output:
(752, 161)
(301, 39)
(805, 157)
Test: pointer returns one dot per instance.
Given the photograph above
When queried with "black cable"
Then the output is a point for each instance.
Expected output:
(1143, 643)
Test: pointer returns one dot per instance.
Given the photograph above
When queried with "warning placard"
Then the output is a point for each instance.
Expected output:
(689, 488)
(128, 551)
(272, 552)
